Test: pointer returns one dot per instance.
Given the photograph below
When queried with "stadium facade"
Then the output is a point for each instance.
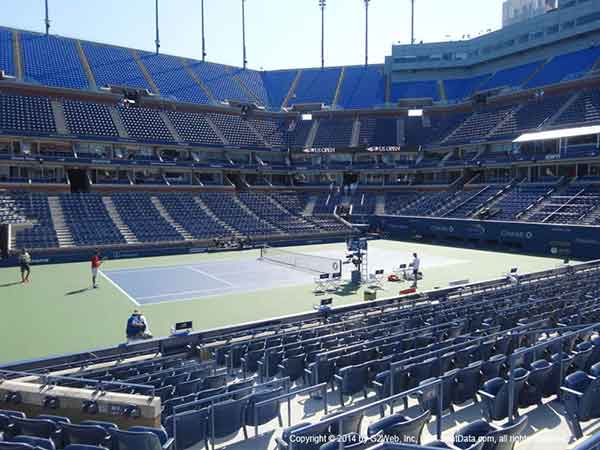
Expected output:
(116, 147)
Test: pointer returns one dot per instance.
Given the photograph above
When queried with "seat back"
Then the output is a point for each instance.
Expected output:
(265, 413)
(134, 440)
(36, 442)
(189, 428)
(228, 417)
(399, 428)
(84, 434)
(507, 436)
(35, 427)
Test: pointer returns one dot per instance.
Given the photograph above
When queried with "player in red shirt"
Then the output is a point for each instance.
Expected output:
(96, 262)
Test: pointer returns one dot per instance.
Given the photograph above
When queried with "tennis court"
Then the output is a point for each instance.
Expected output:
(212, 290)
(150, 285)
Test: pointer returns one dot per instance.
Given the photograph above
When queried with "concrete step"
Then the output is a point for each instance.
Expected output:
(380, 204)
(310, 206)
(165, 214)
(63, 233)
(128, 235)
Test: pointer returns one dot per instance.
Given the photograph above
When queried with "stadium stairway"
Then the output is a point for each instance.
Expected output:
(292, 90)
(251, 213)
(312, 134)
(537, 207)
(165, 214)
(170, 126)
(198, 80)
(209, 212)
(380, 204)
(310, 206)
(338, 88)
(355, 133)
(116, 118)
(86, 66)
(17, 55)
(116, 218)
(59, 117)
(65, 238)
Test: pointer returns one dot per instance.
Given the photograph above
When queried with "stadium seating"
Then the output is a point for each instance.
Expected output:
(89, 119)
(52, 61)
(568, 66)
(6, 52)
(26, 115)
(519, 199)
(145, 124)
(316, 86)
(267, 210)
(511, 77)
(362, 87)
(220, 81)
(415, 89)
(585, 108)
(378, 132)
(141, 216)
(187, 212)
(531, 115)
(235, 130)
(278, 84)
(461, 88)
(172, 80)
(232, 213)
(194, 128)
(252, 80)
(88, 220)
(34, 206)
(479, 125)
(114, 66)
(334, 133)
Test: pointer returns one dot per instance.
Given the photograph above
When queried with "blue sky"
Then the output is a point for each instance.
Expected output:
(280, 33)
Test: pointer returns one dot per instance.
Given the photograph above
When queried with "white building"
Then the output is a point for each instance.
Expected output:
(514, 11)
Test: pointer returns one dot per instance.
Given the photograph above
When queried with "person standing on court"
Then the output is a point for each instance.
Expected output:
(416, 265)
(25, 263)
(96, 263)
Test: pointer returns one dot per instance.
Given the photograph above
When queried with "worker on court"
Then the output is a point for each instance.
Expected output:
(416, 265)
(25, 263)
(96, 263)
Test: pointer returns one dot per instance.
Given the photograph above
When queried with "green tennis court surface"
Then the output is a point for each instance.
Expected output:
(58, 312)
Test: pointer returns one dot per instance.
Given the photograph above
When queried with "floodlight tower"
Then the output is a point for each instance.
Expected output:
(412, 22)
(157, 41)
(367, 32)
(244, 31)
(47, 20)
(203, 38)
(322, 6)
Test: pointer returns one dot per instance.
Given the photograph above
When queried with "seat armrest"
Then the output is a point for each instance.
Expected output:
(571, 391)
(308, 371)
(281, 444)
(338, 378)
(377, 383)
(169, 444)
(486, 394)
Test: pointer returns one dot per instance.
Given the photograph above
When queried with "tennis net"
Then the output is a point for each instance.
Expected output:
(312, 263)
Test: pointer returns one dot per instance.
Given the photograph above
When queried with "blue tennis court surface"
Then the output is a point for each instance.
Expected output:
(150, 285)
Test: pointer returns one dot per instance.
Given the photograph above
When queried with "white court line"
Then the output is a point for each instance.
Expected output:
(119, 288)
(210, 276)
(174, 266)
(221, 289)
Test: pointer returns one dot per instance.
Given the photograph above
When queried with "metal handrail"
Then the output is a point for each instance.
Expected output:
(47, 379)
(339, 418)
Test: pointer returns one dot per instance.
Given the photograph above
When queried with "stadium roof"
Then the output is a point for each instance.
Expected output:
(558, 134)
